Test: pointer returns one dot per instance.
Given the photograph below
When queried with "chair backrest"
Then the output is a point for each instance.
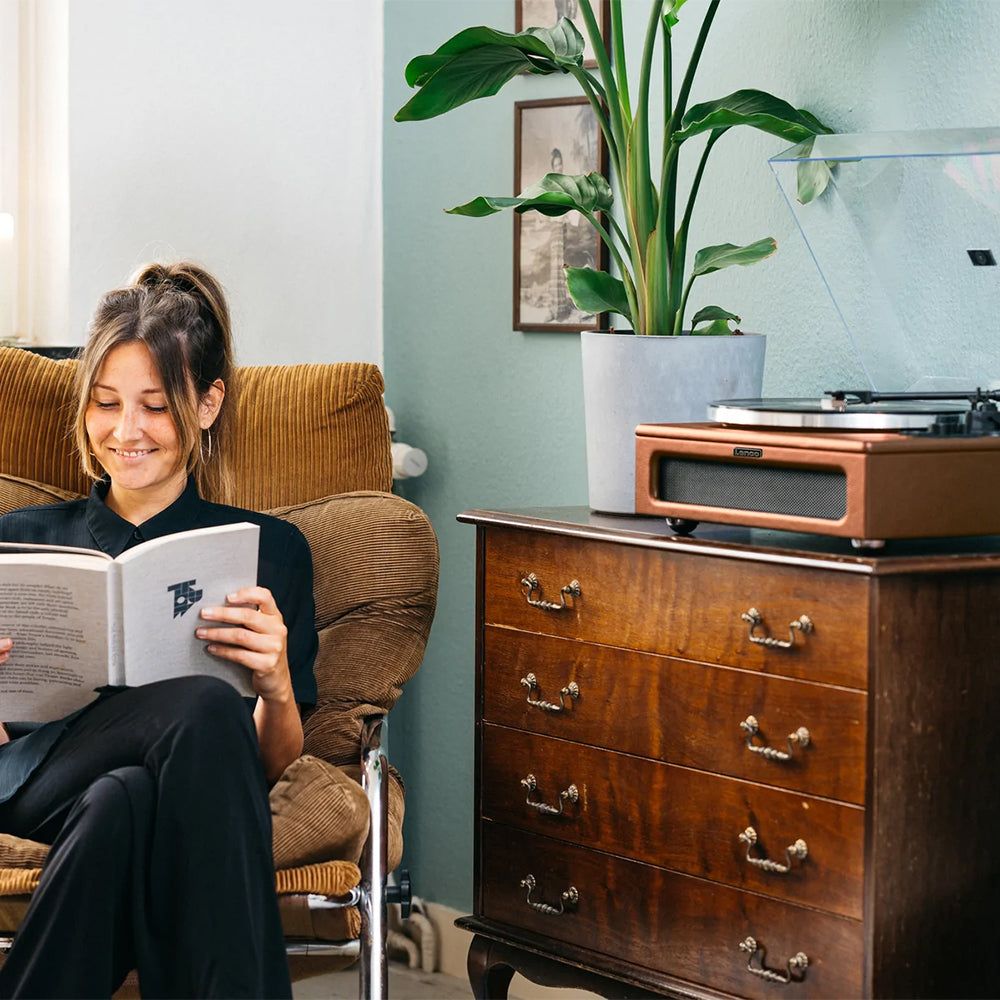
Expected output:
(303, 431)
(312, 446)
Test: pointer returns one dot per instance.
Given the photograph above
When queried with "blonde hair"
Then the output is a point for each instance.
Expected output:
(179, 312)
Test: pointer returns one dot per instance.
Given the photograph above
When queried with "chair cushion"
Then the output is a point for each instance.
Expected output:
(326, 421)
(317, 813)
(16, 492)
(38, 405)
(18, 853)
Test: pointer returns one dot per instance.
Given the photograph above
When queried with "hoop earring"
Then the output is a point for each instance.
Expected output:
(201, 446)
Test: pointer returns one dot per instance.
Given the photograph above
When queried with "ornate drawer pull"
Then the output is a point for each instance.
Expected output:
(797, 964)
(799, 738)
(572, 589)
(568, 899)
(754, 619)
(571, 691)
(572, 793)
(798, 851)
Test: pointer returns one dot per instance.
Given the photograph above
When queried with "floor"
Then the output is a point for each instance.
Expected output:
(404, 984)
(413, 984)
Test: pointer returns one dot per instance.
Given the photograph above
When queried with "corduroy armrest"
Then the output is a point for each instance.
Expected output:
(376, 564)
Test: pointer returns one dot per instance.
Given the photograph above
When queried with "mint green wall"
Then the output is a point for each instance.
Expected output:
(499, 412)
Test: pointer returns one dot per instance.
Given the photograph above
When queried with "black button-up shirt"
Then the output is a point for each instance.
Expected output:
(284, 567)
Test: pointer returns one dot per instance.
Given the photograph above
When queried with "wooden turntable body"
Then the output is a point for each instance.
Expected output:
(866, 486)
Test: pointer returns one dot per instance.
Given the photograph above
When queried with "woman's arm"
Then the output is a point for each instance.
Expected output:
(256, 637)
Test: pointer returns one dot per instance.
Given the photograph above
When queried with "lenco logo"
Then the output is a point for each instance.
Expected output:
(747, 453)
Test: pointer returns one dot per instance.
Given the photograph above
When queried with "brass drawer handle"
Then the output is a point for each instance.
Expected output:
(568, 899)
(572, 794)
(797, 851)
(799, 738)
(754, 619)
(797, 964)
(572, 589)
(571, 691)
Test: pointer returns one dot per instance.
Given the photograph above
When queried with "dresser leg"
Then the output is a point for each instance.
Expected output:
(489, 975)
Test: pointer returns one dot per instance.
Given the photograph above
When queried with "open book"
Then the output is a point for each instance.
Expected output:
(80, 619)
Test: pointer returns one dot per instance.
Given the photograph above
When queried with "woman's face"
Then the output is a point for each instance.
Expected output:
(131, 431)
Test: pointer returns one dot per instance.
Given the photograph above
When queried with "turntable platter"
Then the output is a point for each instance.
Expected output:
(825, 414)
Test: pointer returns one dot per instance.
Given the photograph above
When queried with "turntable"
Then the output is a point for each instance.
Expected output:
(915, 454)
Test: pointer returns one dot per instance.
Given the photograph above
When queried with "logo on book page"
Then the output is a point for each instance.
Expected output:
(185, 596)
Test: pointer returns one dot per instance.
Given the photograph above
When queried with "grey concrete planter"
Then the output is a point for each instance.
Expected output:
(630, 380)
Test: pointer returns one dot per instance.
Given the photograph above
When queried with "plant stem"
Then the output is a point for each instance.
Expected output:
(680, 243)
(618, 36)
(611, 111)
(668, 193)
(595, 94)
(630, 290)
(640, 178)
(685, 90)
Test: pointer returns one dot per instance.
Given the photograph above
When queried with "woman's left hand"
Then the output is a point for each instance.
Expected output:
(252, 632)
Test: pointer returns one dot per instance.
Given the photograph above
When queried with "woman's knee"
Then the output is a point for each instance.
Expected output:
(115, 804)
(208, 700)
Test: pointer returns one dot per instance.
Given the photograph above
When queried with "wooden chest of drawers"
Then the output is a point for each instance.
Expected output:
(744, 764)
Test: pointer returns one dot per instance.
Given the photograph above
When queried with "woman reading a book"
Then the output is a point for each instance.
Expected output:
(155, 798)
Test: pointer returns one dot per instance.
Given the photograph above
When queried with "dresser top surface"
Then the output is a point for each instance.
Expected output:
(898, 556)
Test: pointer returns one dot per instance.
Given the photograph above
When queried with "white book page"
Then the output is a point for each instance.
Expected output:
(55, 608)
(164, 584)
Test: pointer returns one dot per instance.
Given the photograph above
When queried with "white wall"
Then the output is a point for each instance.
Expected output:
(245, 134)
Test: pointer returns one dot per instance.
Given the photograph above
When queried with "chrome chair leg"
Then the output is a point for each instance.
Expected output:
(374, 981)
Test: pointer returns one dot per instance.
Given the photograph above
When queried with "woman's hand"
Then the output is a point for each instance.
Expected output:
(251, 632)
(5, 647)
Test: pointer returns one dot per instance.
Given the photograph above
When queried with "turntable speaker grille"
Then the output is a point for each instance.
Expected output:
(774, 490)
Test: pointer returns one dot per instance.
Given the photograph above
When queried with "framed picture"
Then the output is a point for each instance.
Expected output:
(554, 136)
(545, 13)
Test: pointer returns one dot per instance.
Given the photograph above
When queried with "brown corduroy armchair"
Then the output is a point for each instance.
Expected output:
(337, 811)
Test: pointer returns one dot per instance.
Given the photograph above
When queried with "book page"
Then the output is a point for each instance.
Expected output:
(164, 584)
(55, 610)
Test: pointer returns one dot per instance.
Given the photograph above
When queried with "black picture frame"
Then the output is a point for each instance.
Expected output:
(545, 13)
(555, 135)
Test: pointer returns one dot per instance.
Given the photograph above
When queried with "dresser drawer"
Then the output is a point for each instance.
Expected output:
(677, 818)
(661, 920)
(680, 604)
(678, 711)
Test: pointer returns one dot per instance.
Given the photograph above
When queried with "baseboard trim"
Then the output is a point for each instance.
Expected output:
(453, 942)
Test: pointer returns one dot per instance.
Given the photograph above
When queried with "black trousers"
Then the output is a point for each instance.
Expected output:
(155, 804)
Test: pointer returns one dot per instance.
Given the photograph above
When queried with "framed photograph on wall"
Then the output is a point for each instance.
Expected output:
(554, 136)
(545, 13)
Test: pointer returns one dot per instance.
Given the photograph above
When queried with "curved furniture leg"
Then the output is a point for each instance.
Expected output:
(489, 975)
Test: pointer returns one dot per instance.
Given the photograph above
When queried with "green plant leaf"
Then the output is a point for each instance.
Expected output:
(710, 259)
(710, 314)
(597, 291)
(553, 195)
(811, 179)
(750, 107)
(478, 62)
(718, 320)
(670, 14)
(717, 328)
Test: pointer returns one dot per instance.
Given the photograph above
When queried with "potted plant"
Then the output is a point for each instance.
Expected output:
(641, 215)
